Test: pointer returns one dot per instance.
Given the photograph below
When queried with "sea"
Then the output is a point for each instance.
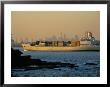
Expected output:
(92, 69)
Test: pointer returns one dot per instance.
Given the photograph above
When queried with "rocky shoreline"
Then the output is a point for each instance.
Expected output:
(25, 62)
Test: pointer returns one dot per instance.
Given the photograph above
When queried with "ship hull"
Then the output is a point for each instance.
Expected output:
(28, 47)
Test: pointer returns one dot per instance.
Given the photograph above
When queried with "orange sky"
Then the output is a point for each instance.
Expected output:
(42, 24)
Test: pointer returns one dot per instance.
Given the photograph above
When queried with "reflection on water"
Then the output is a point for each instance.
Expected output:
(88, 64)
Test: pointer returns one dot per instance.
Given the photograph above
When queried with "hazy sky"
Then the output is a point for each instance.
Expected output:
(42, 24)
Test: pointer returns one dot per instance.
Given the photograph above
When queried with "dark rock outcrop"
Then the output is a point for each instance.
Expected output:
(18, 61)
(90, 64)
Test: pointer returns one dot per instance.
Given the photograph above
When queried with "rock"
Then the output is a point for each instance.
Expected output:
(18, 61)
(90, 64)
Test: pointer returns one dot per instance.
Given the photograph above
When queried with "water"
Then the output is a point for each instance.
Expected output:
(78, 58)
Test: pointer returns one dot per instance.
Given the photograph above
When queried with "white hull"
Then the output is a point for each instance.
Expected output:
(28, 47)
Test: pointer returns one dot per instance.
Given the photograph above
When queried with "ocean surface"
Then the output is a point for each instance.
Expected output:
(78, 58)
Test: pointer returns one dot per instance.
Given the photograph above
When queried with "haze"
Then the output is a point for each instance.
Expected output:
(33, 25)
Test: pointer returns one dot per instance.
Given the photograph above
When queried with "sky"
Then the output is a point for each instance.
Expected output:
(35, 25)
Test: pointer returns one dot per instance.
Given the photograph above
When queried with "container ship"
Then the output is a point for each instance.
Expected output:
(86, 43)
